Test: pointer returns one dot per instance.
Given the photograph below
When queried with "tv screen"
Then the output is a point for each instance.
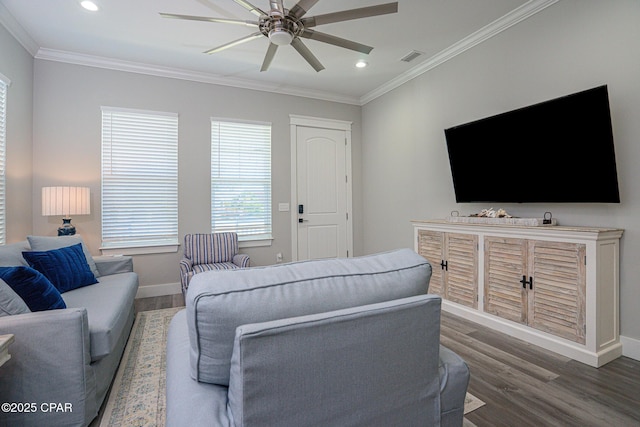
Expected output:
(556, 151)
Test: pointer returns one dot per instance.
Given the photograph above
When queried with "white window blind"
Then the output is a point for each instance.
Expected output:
(241, 178)
(4, 84)
(139, 178)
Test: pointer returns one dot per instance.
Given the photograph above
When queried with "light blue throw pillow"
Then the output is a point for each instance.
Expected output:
(10, 302)
(11, 254)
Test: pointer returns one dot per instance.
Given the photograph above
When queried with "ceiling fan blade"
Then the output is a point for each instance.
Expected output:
(271, 52)
(235, 43)
(302, 7)
(336, 41)
(346, 15)
(207, 19)
(306, 54)
(251, 8)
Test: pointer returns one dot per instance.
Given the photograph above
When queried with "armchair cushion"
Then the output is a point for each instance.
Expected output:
(66, 268)
(220, 301)
(199, 268)
(33, 287)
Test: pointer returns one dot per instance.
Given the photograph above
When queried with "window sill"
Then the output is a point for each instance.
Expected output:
(255, 243)
(140, 250)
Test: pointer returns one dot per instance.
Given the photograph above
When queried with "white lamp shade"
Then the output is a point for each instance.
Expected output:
(65, 201)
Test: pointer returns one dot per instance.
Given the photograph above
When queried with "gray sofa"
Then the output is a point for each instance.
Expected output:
(67, 356)
(341, 342)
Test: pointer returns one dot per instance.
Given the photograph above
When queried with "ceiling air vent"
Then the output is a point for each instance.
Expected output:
(411, 56)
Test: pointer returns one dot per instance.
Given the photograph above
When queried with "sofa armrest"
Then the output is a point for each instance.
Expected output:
(454, 380)
(241, 260)
(50, 363)
(108, 265)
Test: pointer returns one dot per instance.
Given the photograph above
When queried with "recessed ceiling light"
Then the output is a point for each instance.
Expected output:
(89, 5)
(361, 64)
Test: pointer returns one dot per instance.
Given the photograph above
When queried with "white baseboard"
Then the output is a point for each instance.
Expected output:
(159, 290)
(630, 347)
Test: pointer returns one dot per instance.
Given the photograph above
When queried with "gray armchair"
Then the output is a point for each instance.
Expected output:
(346, 342)
(205, 252)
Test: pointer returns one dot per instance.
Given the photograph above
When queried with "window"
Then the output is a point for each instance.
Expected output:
(4, 84)
(241, 179)
(139, 181)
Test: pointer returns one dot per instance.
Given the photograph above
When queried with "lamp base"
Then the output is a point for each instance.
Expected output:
(67, 228)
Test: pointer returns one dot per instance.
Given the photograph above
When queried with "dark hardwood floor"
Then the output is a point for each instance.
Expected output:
(157, 303)
(524, 385)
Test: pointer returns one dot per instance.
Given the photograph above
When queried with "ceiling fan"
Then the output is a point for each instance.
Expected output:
(286, 26)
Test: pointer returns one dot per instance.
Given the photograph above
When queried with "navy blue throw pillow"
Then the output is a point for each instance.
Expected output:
(34, 289)
(66, 267)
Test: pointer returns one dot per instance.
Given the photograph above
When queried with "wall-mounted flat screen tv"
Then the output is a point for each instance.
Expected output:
(558, 151)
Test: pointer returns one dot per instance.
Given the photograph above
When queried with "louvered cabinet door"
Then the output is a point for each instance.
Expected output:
(461, 274)
(557, 300)
(430, 246)
(505, 263)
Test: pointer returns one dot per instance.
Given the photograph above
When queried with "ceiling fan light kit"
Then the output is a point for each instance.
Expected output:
(280, 37)
(283, 27)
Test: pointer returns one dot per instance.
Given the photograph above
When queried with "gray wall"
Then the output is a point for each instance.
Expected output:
(570, 46)
(66, 147)
(17, 65)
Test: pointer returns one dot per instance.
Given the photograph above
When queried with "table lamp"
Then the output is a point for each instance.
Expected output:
(65, 201)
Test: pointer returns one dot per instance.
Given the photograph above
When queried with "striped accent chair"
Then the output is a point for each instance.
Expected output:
(205, 252)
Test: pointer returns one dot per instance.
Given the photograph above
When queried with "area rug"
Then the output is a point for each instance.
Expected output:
(137, 396)
(471, 403)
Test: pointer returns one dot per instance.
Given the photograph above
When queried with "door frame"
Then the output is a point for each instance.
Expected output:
(316, 122)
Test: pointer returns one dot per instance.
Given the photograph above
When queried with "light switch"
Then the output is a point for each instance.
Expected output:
(283, 207)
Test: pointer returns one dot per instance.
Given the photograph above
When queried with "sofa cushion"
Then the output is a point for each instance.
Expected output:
(11, 254)
(47, 243)
(10, 302)
(34, 289)
(108, 304)
(66, 267)
(220, 301)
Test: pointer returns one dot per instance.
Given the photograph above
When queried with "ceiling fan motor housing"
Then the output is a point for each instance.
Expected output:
(279, 26)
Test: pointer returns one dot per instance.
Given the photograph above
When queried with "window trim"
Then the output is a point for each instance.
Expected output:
(6, 83)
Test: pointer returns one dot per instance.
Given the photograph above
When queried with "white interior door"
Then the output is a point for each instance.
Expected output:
(322, 198)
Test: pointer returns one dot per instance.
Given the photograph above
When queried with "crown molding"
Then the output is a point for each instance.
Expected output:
(182, 74)
(496, 27)
(512, 18)
(15, 29)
